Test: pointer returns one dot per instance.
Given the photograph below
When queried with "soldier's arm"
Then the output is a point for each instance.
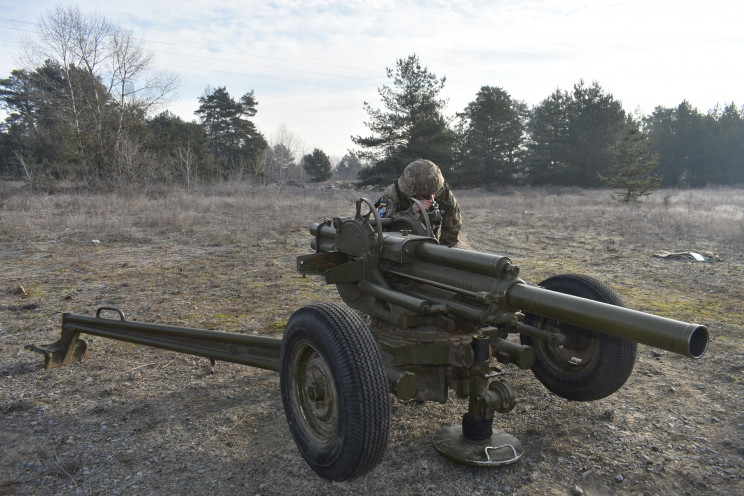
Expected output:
(387, 204)
(451, 222)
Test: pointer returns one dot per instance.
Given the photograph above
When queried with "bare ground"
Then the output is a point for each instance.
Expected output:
(135, 420)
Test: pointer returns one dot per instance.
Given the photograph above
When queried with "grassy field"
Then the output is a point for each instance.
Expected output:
(134, 420)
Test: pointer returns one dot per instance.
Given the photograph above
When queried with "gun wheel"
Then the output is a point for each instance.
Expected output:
(334, 391)
(590, 365)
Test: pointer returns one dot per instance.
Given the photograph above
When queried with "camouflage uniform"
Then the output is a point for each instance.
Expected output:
(419, 178)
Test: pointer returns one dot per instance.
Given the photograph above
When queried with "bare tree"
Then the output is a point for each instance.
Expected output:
(33, 172)
(108, 79)
(281, 159)
(77, 44)
(185, 164)
(136, 89)
(132, 166)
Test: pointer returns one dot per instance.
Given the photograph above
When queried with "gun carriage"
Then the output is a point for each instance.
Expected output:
(439, 319)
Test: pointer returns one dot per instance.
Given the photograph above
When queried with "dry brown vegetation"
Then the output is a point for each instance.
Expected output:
(135, 420)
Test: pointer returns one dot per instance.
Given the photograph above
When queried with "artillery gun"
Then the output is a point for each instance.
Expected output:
(438, 319)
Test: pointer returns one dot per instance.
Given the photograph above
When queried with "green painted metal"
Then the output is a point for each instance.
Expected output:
(429, 304)
(498, 450)
(256, 351)
(690, 340)
(478, 287)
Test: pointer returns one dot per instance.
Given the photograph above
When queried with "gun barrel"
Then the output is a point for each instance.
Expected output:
(687, 339)
(473, 273)
(468, 260)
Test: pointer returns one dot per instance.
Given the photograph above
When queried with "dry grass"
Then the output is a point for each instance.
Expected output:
(700, 218)
(134, 420)
(234, 216)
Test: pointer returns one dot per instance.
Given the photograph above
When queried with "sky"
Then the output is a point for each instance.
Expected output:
(313, 64)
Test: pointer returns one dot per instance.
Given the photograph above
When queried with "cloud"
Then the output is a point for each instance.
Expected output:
(312, 64)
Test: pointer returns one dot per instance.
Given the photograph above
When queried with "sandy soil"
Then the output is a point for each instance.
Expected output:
(135, 420)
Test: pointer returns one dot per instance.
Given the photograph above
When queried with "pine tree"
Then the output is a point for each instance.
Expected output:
(234, 141)
(348, 167)
(491, 138)
(632, 165)
(412, 125)
(317, 165)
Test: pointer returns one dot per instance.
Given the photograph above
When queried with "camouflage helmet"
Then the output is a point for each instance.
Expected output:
(421, 177)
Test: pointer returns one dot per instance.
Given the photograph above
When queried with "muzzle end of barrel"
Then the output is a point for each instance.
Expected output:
(698, 341)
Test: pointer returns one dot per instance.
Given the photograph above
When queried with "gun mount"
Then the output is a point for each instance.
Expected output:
(440, 319)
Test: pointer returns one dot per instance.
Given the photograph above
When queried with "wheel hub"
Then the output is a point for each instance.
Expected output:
(316, 386)
(577, 352)
(315, 393)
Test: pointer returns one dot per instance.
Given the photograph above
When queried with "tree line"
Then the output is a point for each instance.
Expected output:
(582, 137)
(88, 109)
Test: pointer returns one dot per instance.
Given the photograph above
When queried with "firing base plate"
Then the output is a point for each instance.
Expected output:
(499, 449)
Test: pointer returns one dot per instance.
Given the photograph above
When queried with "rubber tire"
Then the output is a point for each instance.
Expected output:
(613, 358)
(334, 340)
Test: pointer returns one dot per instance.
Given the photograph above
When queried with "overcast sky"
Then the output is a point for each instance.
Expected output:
(313, 64)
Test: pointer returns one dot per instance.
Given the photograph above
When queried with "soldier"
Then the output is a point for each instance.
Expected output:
(423, 180)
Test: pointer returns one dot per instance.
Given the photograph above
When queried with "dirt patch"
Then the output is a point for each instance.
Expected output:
(135, 420)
